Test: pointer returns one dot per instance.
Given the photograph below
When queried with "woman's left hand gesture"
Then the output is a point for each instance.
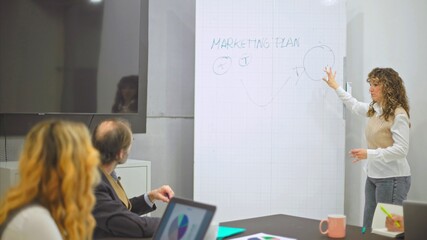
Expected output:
(358, 154)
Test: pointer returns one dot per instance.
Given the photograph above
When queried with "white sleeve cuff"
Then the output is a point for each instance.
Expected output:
(372, 154)
(147, 200)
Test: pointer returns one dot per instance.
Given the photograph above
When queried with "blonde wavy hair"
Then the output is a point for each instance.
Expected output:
(58, 170)
(393, 90)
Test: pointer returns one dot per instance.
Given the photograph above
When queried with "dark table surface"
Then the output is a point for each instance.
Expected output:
(295, 227)
(289, 226)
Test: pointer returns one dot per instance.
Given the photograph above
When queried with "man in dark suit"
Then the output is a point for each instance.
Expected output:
(115, 214)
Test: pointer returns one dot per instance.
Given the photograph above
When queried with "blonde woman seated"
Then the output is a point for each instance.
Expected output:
(54, 197)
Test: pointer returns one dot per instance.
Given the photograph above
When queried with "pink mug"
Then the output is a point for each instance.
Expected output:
(336, 226)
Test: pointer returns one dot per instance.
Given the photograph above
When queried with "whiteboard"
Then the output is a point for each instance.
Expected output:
(269, 134)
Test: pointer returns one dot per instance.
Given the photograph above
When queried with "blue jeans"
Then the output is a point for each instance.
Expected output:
(385, 190)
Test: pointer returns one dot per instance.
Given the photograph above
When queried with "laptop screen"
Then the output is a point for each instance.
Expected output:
(184, 219)
(415, 215)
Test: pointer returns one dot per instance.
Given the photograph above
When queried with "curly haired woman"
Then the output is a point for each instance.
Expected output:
(387, 136)
(54, 197)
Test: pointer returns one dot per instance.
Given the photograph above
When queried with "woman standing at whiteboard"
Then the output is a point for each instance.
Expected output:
(387, 136)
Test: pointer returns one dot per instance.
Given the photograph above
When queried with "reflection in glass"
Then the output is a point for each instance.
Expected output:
(126, 100)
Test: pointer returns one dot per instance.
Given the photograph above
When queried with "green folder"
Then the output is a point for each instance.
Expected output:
(224, 231)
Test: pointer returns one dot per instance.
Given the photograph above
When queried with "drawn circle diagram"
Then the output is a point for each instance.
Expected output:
(316, 59)
(178, 227)
(222, 65)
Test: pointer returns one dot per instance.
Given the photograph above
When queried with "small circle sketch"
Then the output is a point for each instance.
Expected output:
(315, 60)
(222, 65)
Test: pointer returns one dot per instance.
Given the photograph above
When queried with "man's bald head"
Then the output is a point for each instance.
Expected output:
(110, 137)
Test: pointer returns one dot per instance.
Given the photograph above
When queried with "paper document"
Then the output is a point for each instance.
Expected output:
(263, 236)
(378, 223)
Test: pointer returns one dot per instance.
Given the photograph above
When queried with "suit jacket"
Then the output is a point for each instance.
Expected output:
(113, 219)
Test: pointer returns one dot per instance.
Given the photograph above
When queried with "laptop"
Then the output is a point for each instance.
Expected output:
(415, 219)
(184, 219)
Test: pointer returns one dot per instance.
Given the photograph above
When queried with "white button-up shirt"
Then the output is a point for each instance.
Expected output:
(383, 162)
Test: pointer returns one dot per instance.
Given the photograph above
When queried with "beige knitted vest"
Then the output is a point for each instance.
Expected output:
(377, 131)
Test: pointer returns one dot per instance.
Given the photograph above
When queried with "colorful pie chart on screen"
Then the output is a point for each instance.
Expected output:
(178, 227)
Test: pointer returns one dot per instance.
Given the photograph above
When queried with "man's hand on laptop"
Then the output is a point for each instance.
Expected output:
(163, 193)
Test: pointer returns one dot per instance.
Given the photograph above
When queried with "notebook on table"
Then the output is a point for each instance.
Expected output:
(415, 219)
(184, 219)
(378, 223)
